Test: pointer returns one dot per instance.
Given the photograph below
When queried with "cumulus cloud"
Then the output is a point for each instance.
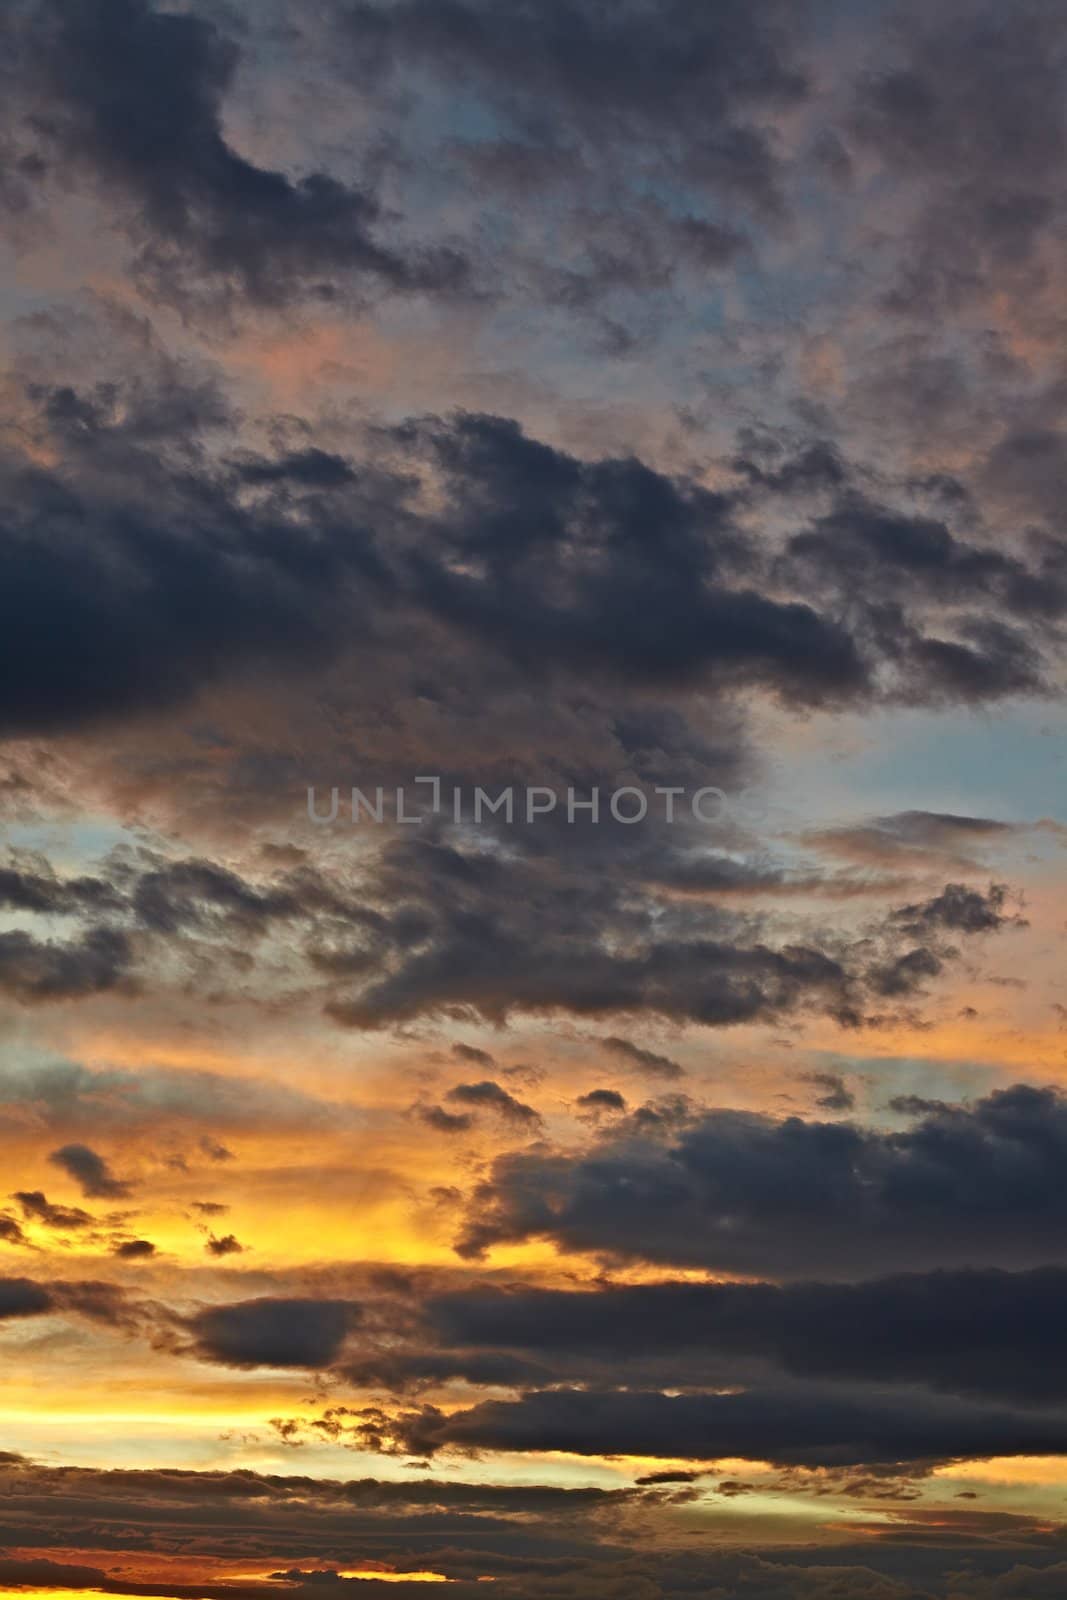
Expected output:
(489, 1096)
(972, 1333)
(90, 1172)
(224, 1245)
(648, 1061)
(809, 1426)
(272, 1332)
(40, 971)
(975, 1184)
(134, 1250)
(37, 1207)
(136, 97)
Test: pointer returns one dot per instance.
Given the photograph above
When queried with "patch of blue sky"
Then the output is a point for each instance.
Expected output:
(1009, 764)
(878, 1079)
(72, 846)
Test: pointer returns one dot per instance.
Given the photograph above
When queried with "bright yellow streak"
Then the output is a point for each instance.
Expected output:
(364, 1573)
(1008, 1470)
(397, 1577)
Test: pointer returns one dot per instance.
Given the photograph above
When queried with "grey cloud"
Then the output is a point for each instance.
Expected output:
(272, 1332)
(833, 1093)
(979, 1185)
(551, 567)
(967, 107)
(136, 107)
(21, 1297)
(66, 1095)
(813, 1425)
(489, 1096)
(692, 84)
(958, 909)
(600, 1101)
(649, 1061)
(91, 1172)
(984, 1334)
(608, 950)
(37, 1207)
(38, 972)
(443, 1121)
(134, 1250)
(226, 1245)
(472, 1054)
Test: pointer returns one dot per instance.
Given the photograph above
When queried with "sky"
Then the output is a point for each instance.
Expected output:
(533, 1037)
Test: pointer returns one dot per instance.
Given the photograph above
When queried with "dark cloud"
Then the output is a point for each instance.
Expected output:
(11, 1232)
(601, 573)
(37, 971)
(191, 894)
(633, 571)
(906, 974)
(311, 468)
(600, 1101)
(37, 1207)
(39, 890)
(833, 1093)
(668, 1476)
(443, 1121)
(273, 1332)
(861, 539)
(489, 1096)
(967, 108)
(976, 1334)
(21, 1297)
(43, 1573)
(979, 1185)
(227, 1245)
(496, 935)
(135, 100)
(464, 1530)
(134, 1250)
(102, 1303)
(402, 1371)
(939, 651)
(537, 1541)
(435, 925)
(657, 1066)
(603, 536)
(478, 957)
(692, 86)
(958, 909)
(472, 1054)
(813, 1425)
(917, 1105)
(90, 1172)
(111, 638)
(213, 1149)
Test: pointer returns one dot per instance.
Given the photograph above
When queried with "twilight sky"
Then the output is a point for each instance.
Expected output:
(553, 399)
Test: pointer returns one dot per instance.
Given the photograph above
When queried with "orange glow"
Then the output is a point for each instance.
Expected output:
(1008, 1470)
(396, 1577)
